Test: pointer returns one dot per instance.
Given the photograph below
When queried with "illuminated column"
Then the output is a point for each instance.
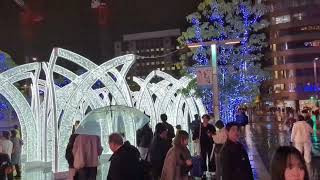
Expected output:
(215, 84)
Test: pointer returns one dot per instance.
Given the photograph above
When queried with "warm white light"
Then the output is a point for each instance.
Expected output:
(47, 121)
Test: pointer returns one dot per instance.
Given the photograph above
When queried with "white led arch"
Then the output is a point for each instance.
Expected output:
(47, 121)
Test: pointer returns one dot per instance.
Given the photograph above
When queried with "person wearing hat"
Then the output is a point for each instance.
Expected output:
(158, 150)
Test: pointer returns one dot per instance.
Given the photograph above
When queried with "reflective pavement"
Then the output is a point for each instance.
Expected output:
(269, 135)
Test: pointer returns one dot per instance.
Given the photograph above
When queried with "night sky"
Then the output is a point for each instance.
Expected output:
(72, 24)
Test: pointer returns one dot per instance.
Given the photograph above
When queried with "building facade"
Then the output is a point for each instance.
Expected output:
(149, 48)
(294, 58)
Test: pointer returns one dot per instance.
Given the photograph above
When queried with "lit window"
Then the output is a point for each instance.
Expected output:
(152, 50)
(152, 63)
(275, 61)
(292, 87)
(162, 69)
(173, 68)
(276, 75)
(162, 49)
(291, 73)
(168, 68)
(148, 63)
(282, 19)
(278, 87)
(177, 47)
(274, 47)
(157, 49)
(162, 62)
(157, 62)
(298, 16)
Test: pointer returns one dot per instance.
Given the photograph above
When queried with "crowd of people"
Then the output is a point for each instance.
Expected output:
(10, 154)
(165, 154)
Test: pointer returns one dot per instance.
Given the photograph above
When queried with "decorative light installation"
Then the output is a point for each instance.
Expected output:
(46, 123)
(239, 67)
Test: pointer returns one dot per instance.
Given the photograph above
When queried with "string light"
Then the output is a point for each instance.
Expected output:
(239, 71)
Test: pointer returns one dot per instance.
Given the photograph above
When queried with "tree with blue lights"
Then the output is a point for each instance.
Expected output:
(5, 63)
(239, 66)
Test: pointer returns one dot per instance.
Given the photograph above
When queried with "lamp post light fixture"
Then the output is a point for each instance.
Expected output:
(315, 74)
(215, 84)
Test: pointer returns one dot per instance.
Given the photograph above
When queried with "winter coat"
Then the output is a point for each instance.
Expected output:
(170, 131)
(86, 151)
(301, 132)
(235, 162)
(144, 137)
(242, 119)
(124, 163)
(69, 155)
(158, 151)
(175, 167)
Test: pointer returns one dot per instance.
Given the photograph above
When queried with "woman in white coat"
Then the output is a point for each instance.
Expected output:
(301, 137)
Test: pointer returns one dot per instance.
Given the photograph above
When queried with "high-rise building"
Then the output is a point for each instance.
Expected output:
(148, 46)
(294, 59)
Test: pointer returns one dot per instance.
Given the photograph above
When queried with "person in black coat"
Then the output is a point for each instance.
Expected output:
(5, 166)
(234, 158)
(169, 127)
(158, 150)
(206, 143)
(144, 138)
(124, 163)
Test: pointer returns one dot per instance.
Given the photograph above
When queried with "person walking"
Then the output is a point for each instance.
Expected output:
(124, 162)
(158, 150)
(301, 138)
(220, 138)
(70, 158)
(205, 132)
(6, 148)
(144, 138)
(86, 151)
(16, 152)
(5, 165)
(234, 158)
(288, 164)
(178, 161)
(170, 128)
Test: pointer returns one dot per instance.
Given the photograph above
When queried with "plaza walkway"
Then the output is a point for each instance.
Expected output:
(268, 135)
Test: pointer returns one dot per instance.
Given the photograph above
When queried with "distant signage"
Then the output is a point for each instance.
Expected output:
(204, 75)
(308, 88)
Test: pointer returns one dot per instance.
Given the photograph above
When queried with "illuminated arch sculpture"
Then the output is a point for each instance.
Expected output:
(47, 120)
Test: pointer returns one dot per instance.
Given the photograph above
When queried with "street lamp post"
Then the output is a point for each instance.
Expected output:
(215, 84)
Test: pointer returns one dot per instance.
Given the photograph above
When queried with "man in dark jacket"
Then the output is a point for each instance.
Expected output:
(169, 127)
(144, 138)
(158, 150)
(234, 158)
(124, 163)
(206, 143)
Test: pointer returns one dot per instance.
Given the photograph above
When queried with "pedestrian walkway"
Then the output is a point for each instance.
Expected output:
(269, 135)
